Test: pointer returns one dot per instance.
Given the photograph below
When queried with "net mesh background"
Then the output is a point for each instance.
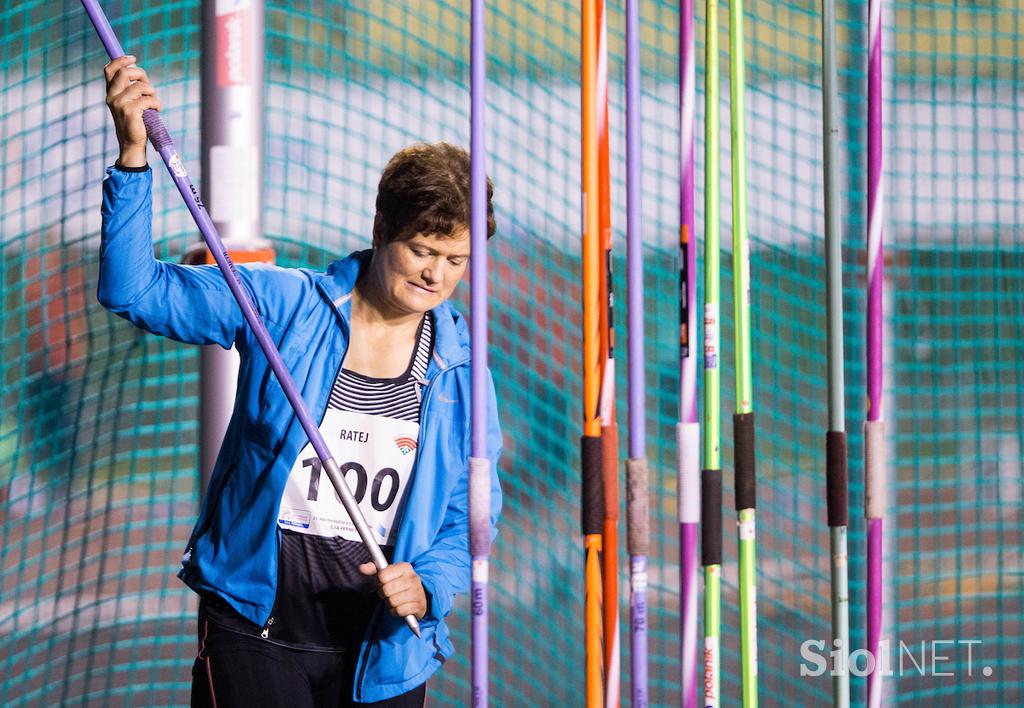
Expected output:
(98, 434)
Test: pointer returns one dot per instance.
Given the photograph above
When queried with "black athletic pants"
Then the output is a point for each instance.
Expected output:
(235, 670)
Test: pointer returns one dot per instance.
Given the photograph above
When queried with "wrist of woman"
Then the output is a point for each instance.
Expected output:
(132, 157)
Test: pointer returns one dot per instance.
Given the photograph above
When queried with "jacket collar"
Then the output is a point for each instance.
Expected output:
(451, 335)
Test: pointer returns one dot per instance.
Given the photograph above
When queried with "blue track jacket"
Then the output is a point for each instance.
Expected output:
(234, 546)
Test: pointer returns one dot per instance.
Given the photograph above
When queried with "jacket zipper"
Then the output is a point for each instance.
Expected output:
(266, 628)
(207, 519)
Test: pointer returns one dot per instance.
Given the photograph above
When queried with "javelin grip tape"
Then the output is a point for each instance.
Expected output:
(609, 464)
(479, 507)
(836, 478)
(638, 518)
(593, 485)
(688, 472)
(874, 469)
(711, 517)
(743, 435)
(158, 134)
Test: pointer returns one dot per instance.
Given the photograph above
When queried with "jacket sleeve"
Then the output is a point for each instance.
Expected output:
(444, 569)
(190, 304)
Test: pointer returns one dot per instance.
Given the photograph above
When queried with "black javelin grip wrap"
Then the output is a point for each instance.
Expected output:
(746, 484)
(711, 517)
(593, 485)
(837, 478)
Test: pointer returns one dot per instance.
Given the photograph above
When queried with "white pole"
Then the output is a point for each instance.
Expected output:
(232, 179)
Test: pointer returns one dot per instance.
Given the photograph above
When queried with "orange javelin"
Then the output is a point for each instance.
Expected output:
(590, 445)
(609, 428)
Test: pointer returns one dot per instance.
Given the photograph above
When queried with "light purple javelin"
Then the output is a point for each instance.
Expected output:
(634, 239)
(688, 429)
(161, 140)
(479, 465)
(638, 484)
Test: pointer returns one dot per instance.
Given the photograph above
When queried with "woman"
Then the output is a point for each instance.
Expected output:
(289, 611)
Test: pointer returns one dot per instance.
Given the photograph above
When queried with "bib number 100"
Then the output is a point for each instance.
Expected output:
(361, 482)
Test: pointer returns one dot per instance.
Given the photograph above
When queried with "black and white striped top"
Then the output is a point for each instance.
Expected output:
(323, 602)
(395, 398)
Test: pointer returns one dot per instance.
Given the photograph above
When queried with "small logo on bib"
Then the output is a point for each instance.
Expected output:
(294, 517)
(405, 444)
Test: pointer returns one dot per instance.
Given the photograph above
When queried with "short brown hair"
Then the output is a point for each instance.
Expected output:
(425, 189)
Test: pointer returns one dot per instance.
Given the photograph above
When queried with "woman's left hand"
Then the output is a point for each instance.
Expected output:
(401, 587)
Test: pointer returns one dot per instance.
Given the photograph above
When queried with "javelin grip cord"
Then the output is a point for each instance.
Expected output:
(743, 432)
(480, 507)
(593, 485)
(638, 532)
(711, 517)
(836, 475)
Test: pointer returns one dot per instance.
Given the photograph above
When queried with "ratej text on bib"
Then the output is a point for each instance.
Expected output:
(375, 454)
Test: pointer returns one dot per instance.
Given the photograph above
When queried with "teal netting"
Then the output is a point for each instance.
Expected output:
(98, 434)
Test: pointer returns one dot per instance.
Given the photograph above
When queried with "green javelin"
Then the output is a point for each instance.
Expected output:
(836, 472)
(743, 422)
(711, 477)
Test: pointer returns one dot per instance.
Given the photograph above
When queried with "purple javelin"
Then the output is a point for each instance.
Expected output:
(479, 463)
(161, 140)
(687, 429)
(638, 533)
(874, 430)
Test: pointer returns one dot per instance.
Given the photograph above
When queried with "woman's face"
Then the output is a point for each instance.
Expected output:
(419, 273)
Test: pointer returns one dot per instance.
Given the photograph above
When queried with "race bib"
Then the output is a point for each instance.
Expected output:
(375, 455)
